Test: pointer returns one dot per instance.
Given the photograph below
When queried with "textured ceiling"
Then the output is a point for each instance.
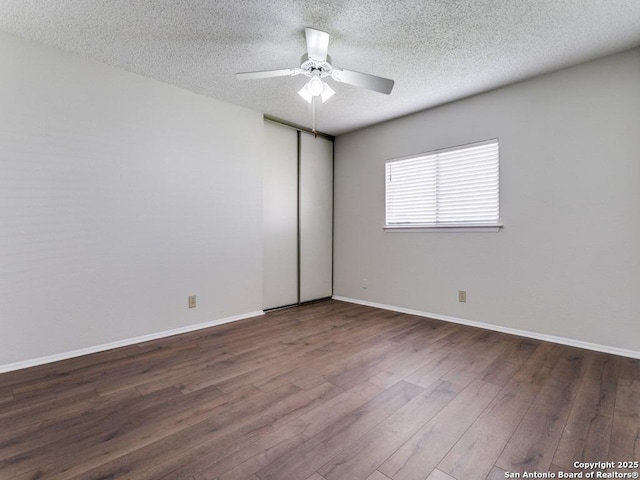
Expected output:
(435, 50)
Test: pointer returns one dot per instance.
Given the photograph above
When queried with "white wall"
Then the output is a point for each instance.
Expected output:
(567, 262)
(119, 197)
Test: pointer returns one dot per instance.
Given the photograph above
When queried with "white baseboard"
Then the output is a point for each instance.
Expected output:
(488, 326)
(123, 343)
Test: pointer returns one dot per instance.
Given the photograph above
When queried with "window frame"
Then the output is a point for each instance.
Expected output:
(445, 226)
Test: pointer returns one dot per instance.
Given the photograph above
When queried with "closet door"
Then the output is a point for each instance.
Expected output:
(280, 216)
(316, 217)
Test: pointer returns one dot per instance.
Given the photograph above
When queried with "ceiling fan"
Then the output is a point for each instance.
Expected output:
(316, 65)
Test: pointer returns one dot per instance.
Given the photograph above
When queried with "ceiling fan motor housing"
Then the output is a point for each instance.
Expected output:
(312, 67)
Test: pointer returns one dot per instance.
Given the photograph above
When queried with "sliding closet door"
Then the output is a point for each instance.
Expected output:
(280, 216)
(316, 217)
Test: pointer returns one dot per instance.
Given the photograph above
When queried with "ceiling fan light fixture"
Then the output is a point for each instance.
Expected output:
(304, 93)
(327, 93)
(316, 88)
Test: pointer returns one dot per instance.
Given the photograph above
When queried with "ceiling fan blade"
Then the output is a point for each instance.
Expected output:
(317, 44)
(266, 74)
(364, 80)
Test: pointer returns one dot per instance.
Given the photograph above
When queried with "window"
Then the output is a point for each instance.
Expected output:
(454, 187)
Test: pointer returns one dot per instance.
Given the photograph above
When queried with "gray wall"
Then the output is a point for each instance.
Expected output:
(566, 263)
(119, 197)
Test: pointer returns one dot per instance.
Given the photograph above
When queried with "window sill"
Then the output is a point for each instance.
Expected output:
(443, 229)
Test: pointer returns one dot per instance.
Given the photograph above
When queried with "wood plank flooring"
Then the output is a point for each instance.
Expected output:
(327, 391)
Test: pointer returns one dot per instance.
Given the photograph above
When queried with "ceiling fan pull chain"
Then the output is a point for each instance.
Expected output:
(313, 113)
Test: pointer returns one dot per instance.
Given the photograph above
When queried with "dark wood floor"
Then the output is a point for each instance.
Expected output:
(325, 391)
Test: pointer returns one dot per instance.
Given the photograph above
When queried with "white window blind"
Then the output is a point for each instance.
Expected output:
(446, 188)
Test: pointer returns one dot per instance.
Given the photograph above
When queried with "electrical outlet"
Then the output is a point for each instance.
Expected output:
(365, 283)
(192, 301)
(462, 296)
